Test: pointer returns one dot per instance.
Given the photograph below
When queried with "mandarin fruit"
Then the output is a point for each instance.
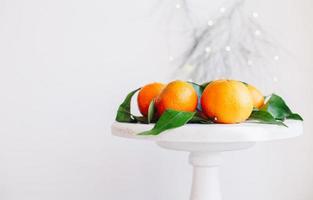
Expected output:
(177, 95)
(227, 101)
(147, 94)
(257, 97)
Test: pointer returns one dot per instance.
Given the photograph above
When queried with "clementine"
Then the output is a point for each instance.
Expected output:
(257, 97)
(227, 101)
(147, 94)
(177, 95)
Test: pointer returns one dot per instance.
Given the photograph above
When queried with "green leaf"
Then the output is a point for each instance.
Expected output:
(264, 117)
(278, 108)
(295, 116)
(123, 112)
(151, 111)
(170, 119)
(199, 118)
(140, 119)
(203, 85)
(246, 84)
(199, 89)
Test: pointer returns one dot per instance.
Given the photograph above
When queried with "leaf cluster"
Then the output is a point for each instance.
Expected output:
(274, 111)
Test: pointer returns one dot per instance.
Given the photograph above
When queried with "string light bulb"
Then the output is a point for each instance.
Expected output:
(228, 48)
(276, 58)
(255, 14)
(210, 23)
(208, 49)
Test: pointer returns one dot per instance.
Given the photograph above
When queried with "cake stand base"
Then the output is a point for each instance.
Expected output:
(205, 143)
(205, 180)
(205, 160)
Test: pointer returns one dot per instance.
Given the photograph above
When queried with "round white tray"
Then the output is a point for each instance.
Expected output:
(244, 132)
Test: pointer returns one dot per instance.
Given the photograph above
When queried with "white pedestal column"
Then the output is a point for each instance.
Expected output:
(205, 181)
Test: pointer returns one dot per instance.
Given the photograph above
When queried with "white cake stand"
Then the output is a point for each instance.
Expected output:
(205, 144)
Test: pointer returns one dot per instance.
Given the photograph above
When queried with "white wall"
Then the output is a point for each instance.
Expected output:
(65, 66)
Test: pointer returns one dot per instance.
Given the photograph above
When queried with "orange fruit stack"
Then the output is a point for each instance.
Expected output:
(224, 101)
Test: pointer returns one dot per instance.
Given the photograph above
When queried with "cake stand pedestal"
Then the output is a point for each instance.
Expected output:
(205, 143)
